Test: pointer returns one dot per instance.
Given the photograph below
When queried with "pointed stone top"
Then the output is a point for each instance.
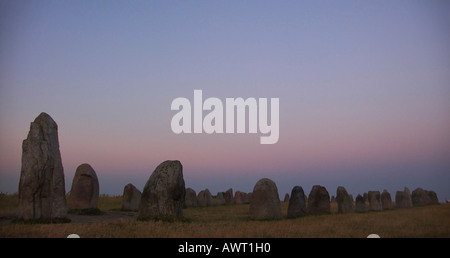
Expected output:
(43, 117)
(45, 120)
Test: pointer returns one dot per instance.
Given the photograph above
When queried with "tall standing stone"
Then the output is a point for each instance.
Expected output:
(360, 204)
(229, 196)
(421, 197)
(344, 200)
(220, 198)
(131, 198)
(85, 189)
(386, 200)
(245, 198)
(238, 197)
(265, 201)
(318, 200)
(164, 192)
(433, 197)
(402, 200)
(190, 199)
(42, 191)
(297, 204)
(204, 198)
(374, 201)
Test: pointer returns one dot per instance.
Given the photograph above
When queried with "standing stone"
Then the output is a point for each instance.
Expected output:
(344, 200)
(220, 198)
(286, 198)
(245, 198)
(42, 191)
(204, 198)
(408, 194)
(433, 197)
(366, 197)
(386, 200)
(265, 202)
(421, 197)
(318, 200)
(374, 201)
(229, 196)
(85, 189)
(164, 192)
(131, 198)
(297, 204)
(360, 206)
(403, 200)
(190, 199)
(239, 197)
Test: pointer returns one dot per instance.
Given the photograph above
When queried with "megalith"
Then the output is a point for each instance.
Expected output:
(42, 193)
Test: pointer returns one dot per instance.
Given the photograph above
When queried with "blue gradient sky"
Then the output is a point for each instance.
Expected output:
(364, 90)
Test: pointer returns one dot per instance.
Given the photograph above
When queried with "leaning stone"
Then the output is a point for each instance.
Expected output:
(164, 192)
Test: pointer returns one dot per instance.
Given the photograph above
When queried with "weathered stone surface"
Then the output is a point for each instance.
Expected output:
(238, 197)
(433, 197)
(131, 198)
(164, 192)
(366, 197)
(204, 198)
(245, 198)
(318, 200)
(403, 199)
(220, 199)
(190, 199)
(344, 200)
(386, 200)
(374, 201)
(42, 191)
(265, 202)
(421, 197)
(85, 189)
(360, 205)
(286, 198)
(297, 204)
(229, 196)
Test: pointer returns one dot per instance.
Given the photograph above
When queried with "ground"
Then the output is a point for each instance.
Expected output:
(232, 221)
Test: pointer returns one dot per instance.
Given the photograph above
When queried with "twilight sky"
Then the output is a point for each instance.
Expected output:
(364, 89)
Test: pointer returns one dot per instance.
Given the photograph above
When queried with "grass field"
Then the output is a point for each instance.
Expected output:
(231, 221)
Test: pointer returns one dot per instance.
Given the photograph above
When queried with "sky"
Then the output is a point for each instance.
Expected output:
(363, 88)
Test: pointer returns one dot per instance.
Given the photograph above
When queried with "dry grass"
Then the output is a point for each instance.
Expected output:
(231, 221)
